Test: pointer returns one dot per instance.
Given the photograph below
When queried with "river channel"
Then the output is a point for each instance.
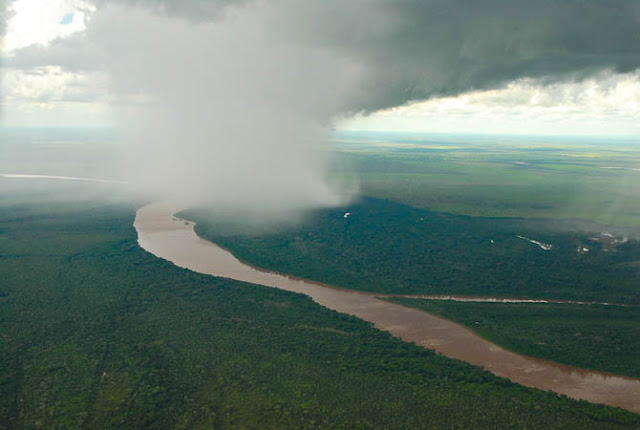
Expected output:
(172, 239)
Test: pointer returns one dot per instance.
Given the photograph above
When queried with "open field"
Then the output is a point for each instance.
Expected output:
(597, 180)
(596, 337)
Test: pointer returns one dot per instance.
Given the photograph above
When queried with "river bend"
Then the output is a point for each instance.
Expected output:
(164, 236)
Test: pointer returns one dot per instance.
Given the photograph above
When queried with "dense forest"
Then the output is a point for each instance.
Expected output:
(598, 337)
(98, 334)
(386, 247)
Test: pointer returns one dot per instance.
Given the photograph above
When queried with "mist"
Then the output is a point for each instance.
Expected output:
(3, 21)
(232, 102)
(62, 165)
(227, 114)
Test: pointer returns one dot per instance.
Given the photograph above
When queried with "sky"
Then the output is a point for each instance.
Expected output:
(605, 105)
(234, 101)
(61, 90)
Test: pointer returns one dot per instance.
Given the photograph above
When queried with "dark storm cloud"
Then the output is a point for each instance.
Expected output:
(243, 86)
(236, 94)
(417, 49)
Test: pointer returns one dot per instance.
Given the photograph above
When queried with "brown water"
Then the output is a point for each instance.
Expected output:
(175, 240)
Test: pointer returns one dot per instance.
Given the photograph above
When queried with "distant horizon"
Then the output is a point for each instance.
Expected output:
(111, 129)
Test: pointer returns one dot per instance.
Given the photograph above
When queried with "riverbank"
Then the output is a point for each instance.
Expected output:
(102, 334)
(174, 240)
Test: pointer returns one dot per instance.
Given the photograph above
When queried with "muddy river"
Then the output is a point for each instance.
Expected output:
(175, 240)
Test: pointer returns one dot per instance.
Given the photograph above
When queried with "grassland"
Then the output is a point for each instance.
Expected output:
(96, 333)
(595, 337)
(597, 180)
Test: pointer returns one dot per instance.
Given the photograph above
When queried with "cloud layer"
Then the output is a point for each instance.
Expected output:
(606, 104)
(411, 50)
(230, 115)
(233, 97)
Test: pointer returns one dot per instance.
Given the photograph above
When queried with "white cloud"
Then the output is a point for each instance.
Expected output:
(52, 96)
(51, 84)
(51, 73)
(607, 104)
(41, 92)
(37, 22)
